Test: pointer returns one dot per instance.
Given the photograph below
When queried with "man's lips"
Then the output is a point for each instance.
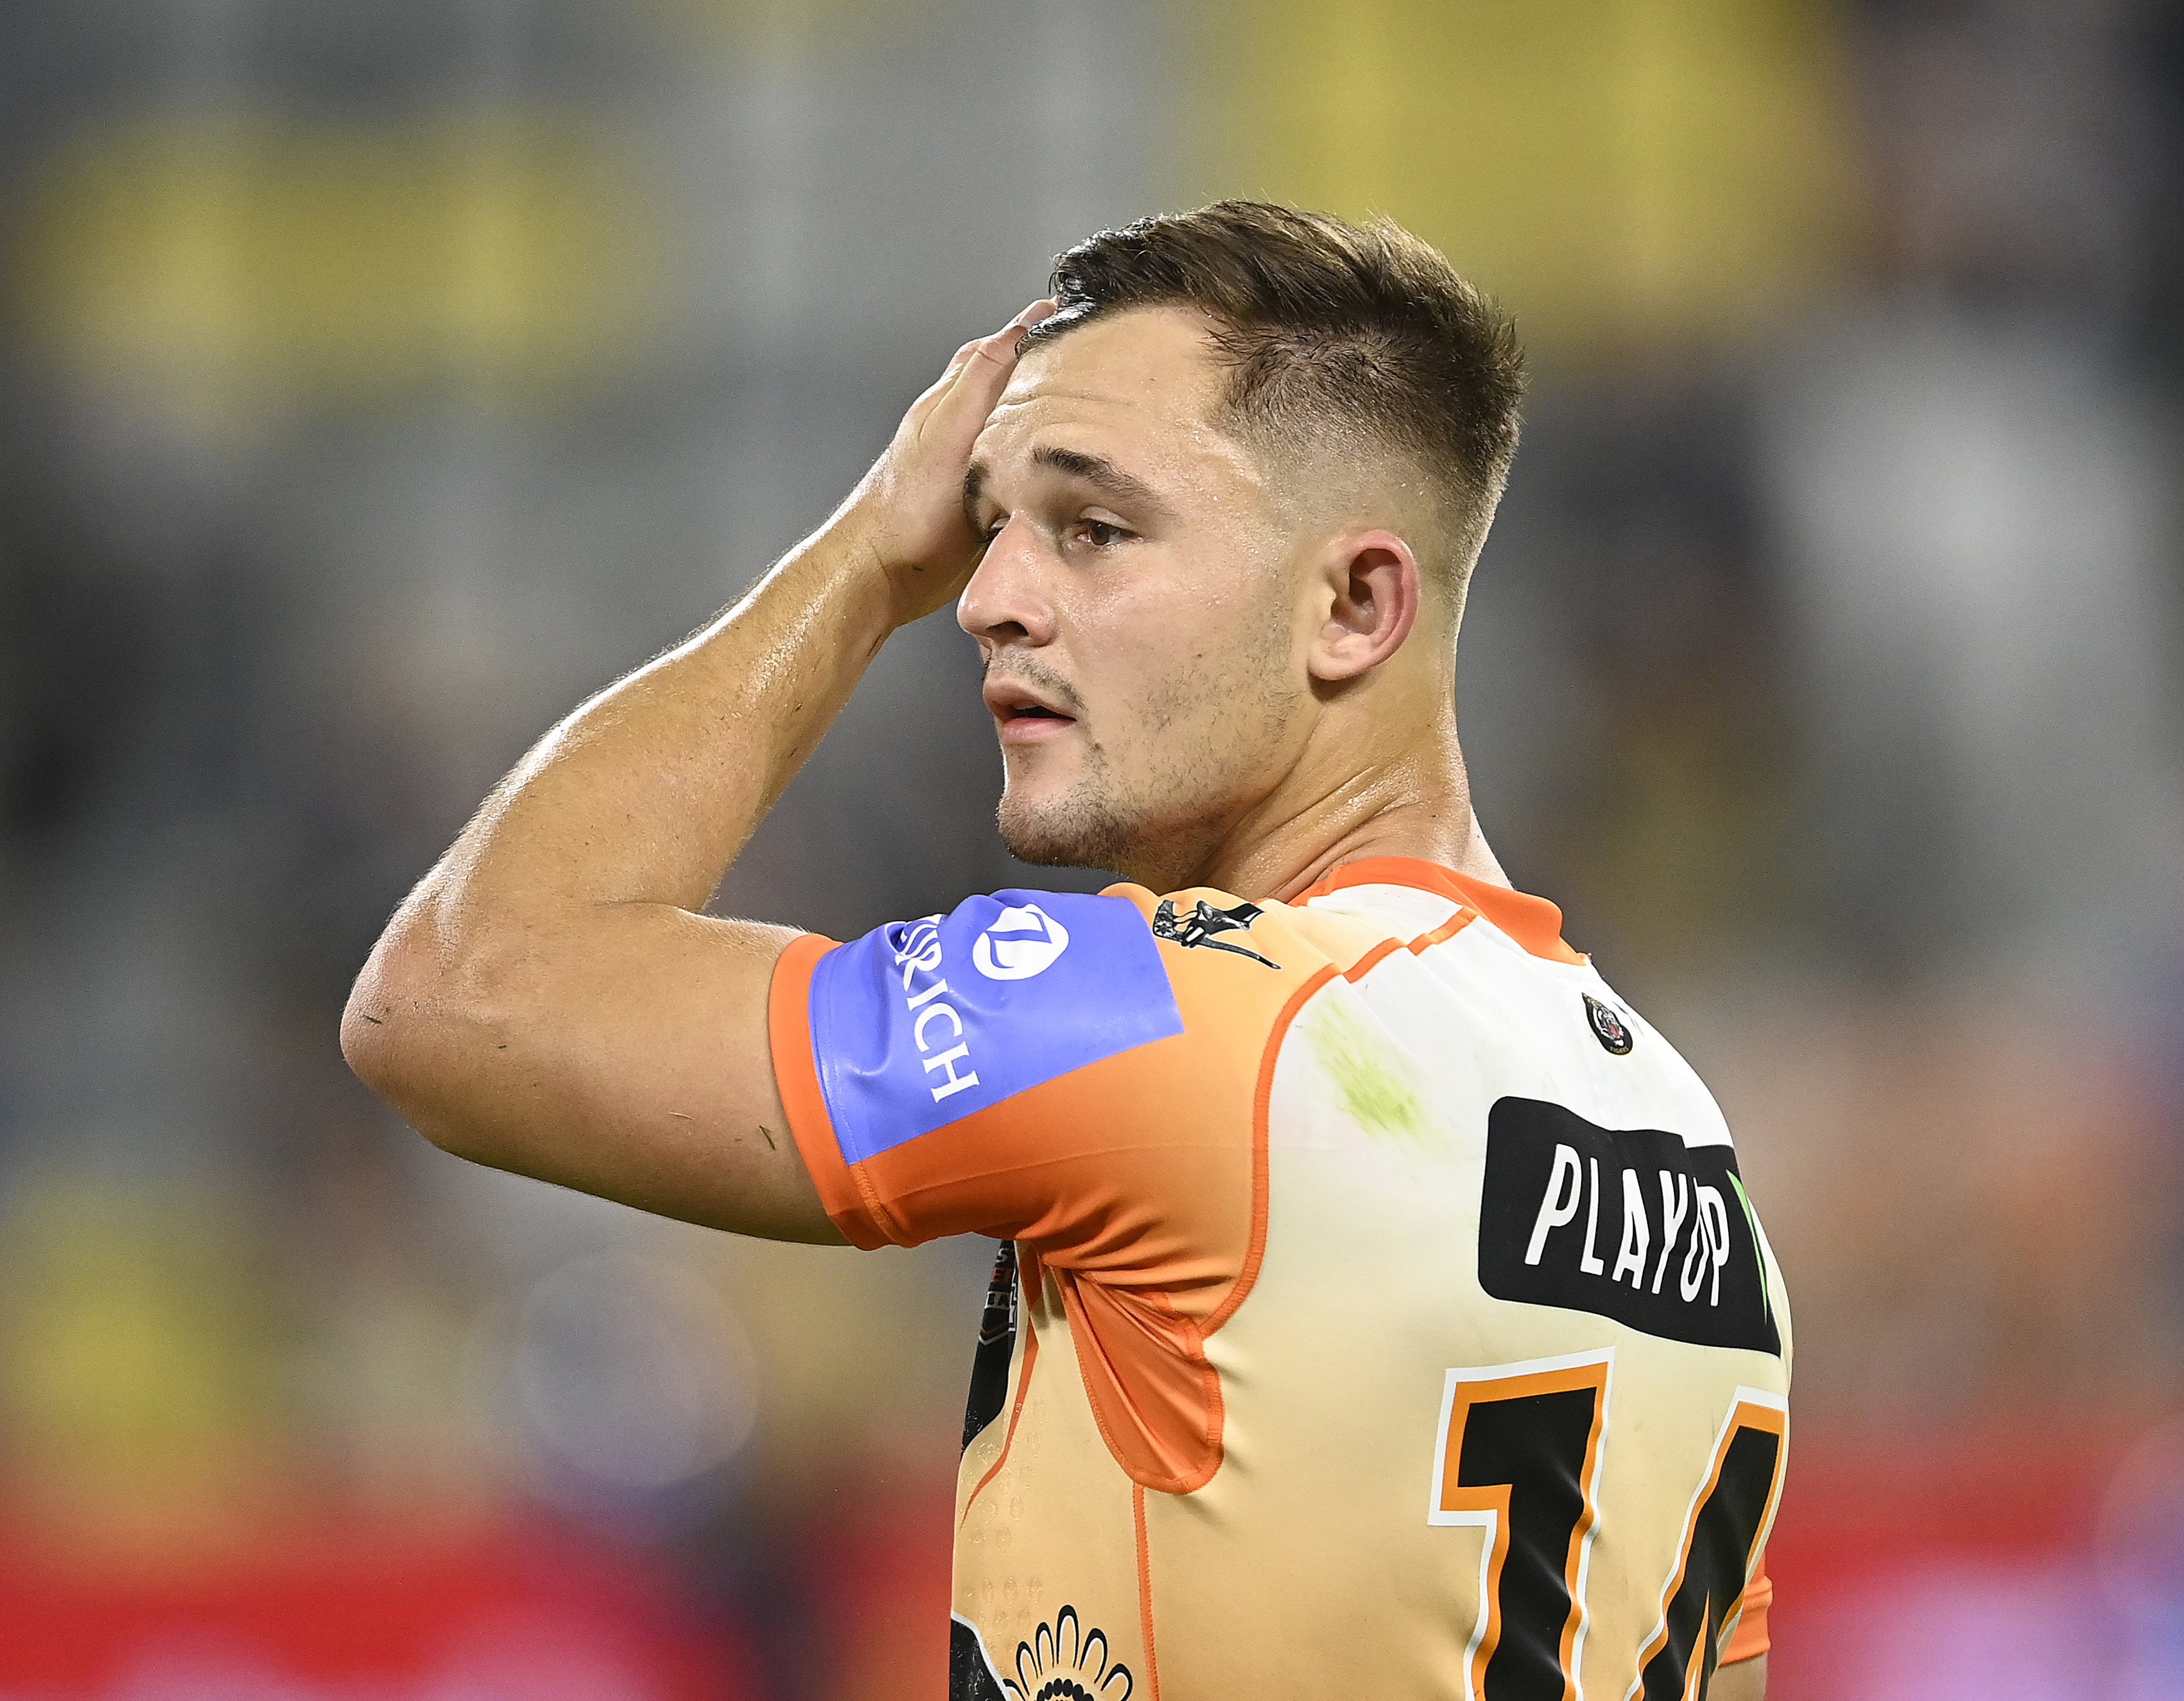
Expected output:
(1024, 717)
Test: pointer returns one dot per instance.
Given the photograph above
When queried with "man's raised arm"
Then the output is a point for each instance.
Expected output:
(549, 1000)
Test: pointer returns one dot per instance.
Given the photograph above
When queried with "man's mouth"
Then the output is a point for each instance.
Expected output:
(1024, 718)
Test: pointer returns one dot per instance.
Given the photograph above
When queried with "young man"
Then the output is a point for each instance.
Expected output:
(1378, 1310)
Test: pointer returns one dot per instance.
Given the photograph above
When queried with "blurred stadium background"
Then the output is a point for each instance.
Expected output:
(378, 377)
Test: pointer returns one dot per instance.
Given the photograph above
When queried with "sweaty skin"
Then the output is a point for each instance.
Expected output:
(1207, 666)
(1248, 702)
(1259, 685)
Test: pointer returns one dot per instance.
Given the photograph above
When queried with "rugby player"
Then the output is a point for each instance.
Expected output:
(1377, 1311)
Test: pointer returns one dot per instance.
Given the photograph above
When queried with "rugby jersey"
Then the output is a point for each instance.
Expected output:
(1378, 1309)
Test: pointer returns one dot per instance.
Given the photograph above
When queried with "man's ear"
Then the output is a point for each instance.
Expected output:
(1371, 589)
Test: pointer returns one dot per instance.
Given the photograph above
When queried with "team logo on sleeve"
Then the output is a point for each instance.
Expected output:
(1203, 922)
(1629, 1224)
(1020, 942)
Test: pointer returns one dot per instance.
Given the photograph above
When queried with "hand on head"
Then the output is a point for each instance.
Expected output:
(909, 509)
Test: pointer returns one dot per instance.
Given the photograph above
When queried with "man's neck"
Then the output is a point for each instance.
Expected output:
(1417, 803)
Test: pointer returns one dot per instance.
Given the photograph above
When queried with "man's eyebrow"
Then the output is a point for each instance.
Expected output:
(1095, 470)
(1102, 474)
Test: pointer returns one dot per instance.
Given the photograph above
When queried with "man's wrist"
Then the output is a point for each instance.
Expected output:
(900, 550)
(844, 562)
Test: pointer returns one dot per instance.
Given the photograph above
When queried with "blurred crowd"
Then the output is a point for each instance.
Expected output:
(379, 377)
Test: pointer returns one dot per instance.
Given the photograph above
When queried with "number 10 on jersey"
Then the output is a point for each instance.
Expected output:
(1519, 1456)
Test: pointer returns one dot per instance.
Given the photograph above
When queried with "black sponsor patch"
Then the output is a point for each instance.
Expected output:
(1630, 1224)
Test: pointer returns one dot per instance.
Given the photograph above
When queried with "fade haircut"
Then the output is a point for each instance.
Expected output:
(1333, 334)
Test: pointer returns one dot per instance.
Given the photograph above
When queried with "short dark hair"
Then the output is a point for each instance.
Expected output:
(1329, 327)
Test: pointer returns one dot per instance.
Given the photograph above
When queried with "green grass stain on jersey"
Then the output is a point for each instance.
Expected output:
(1369, 1075)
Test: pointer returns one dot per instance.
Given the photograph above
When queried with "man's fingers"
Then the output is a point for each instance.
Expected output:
(1002, 344)
(993, 357)
(999, 348)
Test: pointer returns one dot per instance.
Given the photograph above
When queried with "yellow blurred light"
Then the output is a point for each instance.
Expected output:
(1614, 170)
(138, 1388)
(232, 267)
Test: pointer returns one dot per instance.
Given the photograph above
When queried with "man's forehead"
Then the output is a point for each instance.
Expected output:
(1158, 361)
(1141, 389)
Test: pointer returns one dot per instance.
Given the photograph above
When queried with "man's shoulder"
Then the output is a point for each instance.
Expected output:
(967, 1006)
(1139, 1003)
(1065, 957)
(1203, 928)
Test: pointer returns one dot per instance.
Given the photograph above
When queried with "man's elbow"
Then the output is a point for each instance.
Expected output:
(371, 1034)
(403, 1035)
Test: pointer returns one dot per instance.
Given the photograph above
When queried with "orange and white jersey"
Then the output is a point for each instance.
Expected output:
(1378, 1311)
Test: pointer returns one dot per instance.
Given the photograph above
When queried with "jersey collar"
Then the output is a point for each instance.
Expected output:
(1534, 923)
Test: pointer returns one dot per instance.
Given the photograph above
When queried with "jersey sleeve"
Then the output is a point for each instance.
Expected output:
(1749, 1640)
(1018, 1067)
(1083, 1075)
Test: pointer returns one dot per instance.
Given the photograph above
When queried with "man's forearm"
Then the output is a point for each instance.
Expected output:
(522, 977)
(549, 1000)
(647, 793)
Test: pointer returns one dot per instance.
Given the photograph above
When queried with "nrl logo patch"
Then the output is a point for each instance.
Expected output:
(1203, 922)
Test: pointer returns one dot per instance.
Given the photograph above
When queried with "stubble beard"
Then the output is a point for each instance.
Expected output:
(1159, 822)
(1156, 814)
(1085, 828)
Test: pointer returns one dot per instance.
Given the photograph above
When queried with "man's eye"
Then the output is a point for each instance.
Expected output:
(1101, 534)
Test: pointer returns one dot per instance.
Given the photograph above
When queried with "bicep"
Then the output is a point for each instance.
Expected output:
(625, 1056)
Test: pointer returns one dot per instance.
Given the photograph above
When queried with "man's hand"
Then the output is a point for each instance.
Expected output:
(550, 1000)
(909, 511)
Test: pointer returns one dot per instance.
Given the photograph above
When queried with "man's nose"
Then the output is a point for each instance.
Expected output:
(1007, 599)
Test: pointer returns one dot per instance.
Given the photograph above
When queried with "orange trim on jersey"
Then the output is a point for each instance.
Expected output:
(1749, 1640)
(1194, 1335)
(1030, 1337)
(1371, 959)
(1534, 923)
(1447, 930)
(1146, 1589)
(1424, 942)
(1261, 1101)
(847, 1197)
(1151, 1239)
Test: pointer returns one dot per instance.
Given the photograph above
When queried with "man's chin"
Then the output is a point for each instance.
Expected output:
(1066, 833)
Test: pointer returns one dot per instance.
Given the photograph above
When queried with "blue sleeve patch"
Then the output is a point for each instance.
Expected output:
(919, 1023)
